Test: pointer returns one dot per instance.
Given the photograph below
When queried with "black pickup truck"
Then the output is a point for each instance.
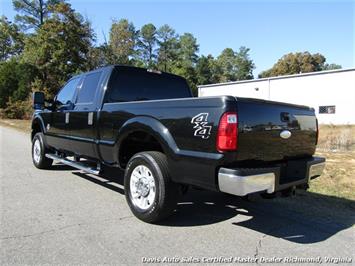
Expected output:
(149, 124)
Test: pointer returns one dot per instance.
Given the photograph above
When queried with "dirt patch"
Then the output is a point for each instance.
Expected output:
(23, 125)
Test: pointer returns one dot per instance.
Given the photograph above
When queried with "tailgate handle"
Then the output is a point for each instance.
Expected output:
(285, 117)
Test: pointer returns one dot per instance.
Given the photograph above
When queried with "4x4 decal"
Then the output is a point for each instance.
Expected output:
(201, 125)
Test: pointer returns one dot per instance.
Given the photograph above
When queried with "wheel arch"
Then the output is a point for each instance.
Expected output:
(148, 134)
(37, 126)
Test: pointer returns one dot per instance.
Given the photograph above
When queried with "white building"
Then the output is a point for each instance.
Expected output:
(331, 93)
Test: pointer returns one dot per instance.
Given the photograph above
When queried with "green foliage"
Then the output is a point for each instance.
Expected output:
(8, 81)
(186, 60)
(296, 63)
(204, 70)
(33, 13)
(59, 48)
(15, 81)
(18, 109)
(168, 47)
(245, 65)
(227, 64)
(235, 65)
(60, 44)
(207, 70)
(331, 66)
(11, 39)
(146, 43)
(99, 57)
(123, 38)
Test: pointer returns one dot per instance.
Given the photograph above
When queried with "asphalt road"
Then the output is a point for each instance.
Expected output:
(63, 216)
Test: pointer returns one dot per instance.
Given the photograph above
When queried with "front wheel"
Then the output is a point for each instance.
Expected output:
(39, 153)
(150, 193)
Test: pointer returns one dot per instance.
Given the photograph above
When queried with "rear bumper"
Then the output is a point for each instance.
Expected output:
(244, 181)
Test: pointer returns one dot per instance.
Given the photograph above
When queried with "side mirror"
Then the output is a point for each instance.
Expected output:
(38, 100)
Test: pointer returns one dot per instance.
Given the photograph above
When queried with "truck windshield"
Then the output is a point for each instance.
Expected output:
(135, 84)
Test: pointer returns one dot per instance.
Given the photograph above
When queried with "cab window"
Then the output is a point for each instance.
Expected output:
(66, 94)
(133, 84)
(88, 89)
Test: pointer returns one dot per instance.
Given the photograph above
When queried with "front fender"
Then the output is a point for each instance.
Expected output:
(37, 119)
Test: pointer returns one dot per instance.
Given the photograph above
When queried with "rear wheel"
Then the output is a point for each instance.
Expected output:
(39, 150)
(150, 193)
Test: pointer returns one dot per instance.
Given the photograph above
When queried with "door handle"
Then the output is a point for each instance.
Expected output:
(67, 117)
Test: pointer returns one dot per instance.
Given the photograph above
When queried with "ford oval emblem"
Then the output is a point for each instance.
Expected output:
(285, 134)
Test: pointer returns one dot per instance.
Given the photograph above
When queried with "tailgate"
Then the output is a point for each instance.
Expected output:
(271, 131)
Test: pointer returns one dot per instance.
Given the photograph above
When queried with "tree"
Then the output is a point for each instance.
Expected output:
(186, 59)
(33, 12)
(207, 70)
(15, 81)
(244, 64)
(235, 65)
(59, 48)
(123, 37)
(11, 39)
(331, 66)
(8, 81)
(100, 56)
(296, 63)
(203, 70)
(227, 63)
(147, 42)
(168, 46)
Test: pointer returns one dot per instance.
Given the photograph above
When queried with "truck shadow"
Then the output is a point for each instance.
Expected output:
(306, 218)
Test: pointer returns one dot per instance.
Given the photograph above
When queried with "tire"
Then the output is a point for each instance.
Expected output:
(38, 153)
(149, 191)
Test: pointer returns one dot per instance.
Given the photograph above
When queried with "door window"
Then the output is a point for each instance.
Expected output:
(88, 89)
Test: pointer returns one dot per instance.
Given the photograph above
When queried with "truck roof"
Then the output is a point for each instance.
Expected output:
(128, 67)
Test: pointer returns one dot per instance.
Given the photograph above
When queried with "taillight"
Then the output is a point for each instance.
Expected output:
(227, 136)
(317, 134)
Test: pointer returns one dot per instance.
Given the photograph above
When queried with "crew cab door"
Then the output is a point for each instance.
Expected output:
(57, 128)
(82, 122)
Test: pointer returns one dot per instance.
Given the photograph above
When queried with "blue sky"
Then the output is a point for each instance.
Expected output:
(269, 28)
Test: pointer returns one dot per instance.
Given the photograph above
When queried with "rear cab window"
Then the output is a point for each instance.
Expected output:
(129, 84)
(88, 88)
(66, 94)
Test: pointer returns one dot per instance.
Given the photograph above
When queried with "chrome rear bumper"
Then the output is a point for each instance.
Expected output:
(242, 182)
(316, 170)
(243, 185)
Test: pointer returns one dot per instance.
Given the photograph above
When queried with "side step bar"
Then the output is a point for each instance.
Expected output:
(77, 165)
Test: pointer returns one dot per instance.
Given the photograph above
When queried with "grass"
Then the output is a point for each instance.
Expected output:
(336, 138)
(336, 144)
(338, 178)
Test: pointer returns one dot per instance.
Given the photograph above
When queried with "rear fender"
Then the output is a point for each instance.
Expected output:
(150, 126)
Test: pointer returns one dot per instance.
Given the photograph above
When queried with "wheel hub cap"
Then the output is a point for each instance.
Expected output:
(142, 187)
(37, 151)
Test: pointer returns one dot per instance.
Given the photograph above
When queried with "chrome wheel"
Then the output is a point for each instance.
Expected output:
(37, 151)
(142, 187)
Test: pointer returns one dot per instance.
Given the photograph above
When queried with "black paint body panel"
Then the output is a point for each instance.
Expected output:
(193, 159)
